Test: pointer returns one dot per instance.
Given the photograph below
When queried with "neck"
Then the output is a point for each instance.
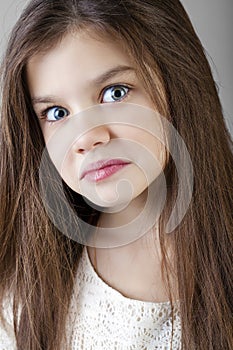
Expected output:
(133, 269)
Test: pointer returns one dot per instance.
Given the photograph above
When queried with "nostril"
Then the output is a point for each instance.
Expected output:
(97, 143)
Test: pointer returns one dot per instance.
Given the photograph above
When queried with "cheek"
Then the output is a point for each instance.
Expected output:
(60, 150)
(148, 143)
(70, 170)
(160, 152)
(48, 130)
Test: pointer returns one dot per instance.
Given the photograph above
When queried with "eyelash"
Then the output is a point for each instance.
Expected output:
(115, 86)
(43, 114)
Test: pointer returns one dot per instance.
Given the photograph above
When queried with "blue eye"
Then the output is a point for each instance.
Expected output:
(55, 113)
(115, 93)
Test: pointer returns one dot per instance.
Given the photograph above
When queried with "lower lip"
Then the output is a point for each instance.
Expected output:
(101, 174)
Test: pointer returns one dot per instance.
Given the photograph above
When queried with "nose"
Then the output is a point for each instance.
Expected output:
(91, 139)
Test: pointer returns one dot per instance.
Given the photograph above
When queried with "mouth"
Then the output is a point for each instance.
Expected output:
(102, 169)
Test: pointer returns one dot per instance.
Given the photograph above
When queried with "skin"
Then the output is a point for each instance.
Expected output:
(69, 73)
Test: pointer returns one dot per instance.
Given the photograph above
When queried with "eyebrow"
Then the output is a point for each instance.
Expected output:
(97, 81)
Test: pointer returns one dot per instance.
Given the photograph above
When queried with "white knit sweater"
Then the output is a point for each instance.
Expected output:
(101, 318)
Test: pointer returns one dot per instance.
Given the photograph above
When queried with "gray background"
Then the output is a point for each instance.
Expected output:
(212, 20)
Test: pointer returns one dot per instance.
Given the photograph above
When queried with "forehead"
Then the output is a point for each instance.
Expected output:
(79, 52)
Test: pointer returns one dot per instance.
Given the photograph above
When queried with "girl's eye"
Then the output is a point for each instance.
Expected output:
(115, 93)
(55, 113)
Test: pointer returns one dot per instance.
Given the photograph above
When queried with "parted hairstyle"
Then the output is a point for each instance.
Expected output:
(37, 262)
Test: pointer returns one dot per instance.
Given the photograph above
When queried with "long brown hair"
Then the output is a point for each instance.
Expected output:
(37, 262)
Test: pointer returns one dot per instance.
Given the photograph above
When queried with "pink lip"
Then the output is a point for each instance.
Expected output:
(102, 169)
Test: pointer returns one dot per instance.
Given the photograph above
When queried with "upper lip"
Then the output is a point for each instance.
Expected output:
(102, 164)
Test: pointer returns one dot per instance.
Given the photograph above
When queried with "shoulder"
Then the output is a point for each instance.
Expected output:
(7, 336)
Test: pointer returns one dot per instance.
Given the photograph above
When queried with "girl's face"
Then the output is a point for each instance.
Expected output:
(72, 79)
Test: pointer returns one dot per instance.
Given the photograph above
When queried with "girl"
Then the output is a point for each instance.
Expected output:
(67, 63)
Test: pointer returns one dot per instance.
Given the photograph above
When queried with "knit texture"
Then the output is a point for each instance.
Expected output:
(104, 319)
(101, 318)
